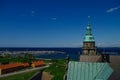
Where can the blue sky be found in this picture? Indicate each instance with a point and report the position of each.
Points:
(58, 23)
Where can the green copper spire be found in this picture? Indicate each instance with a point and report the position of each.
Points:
(88, 20)
(88, 27)
(88, 36)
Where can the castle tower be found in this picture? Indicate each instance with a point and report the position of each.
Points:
(89, 47)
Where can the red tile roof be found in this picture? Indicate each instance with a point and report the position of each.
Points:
(26, 65)
(15, 65)
(11, 65)
(38, 63)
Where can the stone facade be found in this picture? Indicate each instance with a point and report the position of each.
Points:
(89, 48)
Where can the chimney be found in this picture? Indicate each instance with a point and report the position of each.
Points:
(105, 58)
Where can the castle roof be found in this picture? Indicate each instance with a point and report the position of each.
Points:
(88, 71)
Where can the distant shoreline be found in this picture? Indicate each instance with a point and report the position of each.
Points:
(32, 52)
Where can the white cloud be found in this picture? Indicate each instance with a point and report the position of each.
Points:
(32, 12)
(53, 18)
(113, 9)
(108, 44)
(75, 44)
(100, 44)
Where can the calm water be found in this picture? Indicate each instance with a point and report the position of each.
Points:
(72, 52)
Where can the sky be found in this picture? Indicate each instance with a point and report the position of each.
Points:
(58, 23)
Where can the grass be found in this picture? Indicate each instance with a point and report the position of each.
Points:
(57, 69)
(22, 76)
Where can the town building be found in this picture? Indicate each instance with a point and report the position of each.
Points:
(37, 64)
(7, 68)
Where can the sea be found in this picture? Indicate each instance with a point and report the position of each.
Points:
(73, 53)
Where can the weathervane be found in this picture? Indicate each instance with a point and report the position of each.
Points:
(88, 20)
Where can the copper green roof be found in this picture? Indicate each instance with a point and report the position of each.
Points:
(88, 71)
(88, 37)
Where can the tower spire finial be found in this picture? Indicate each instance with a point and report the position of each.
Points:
(88, 20)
